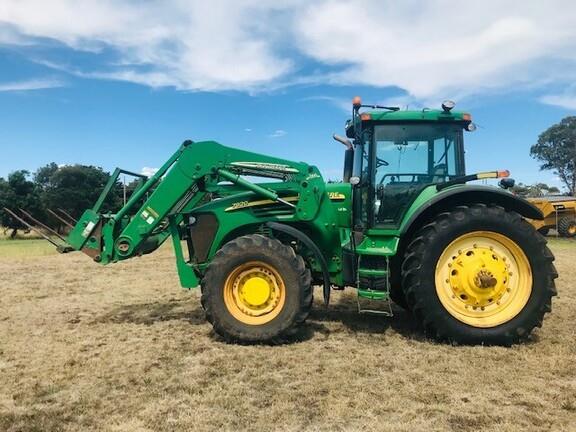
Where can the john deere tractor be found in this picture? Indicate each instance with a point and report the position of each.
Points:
(403, 225)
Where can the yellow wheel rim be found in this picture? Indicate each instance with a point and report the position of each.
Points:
(254, 293)
(572, 230)
(483, 279)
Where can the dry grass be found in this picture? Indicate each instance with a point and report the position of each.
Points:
(123, 348)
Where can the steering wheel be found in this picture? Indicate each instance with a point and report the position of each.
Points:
(381, 162)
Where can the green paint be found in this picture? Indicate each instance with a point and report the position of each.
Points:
(421, 115)
(373, 295)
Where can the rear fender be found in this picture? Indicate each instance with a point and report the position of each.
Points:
(465, 195)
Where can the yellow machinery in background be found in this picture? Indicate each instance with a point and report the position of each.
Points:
(559, 214)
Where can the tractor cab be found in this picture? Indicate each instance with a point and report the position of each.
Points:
(396, 154)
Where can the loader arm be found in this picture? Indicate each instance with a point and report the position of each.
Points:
(195, 174)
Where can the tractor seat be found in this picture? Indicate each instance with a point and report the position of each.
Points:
(394, 199)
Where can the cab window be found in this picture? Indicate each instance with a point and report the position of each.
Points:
(405, 160)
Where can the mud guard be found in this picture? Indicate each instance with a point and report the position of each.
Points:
(299, 235)
(464, 195)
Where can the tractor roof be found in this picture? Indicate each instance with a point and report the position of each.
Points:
(420, 115)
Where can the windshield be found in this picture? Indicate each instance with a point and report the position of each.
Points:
(416, 153)
(408, 157)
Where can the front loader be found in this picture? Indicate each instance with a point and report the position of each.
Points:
(403, 225)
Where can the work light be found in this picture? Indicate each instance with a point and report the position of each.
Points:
(447, 105)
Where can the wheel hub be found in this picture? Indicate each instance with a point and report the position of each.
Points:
(254, 293)
(478, 276)
(483, 279)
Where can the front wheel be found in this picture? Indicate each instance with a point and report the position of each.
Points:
(479, 275)
(256, 289)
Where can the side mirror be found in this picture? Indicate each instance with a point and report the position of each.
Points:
(507, 183)
(343, 140)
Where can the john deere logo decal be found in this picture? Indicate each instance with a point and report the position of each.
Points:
(336, 196)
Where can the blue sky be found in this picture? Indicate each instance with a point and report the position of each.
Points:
(123, 83)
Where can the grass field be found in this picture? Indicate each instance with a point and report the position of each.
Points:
(123, 348)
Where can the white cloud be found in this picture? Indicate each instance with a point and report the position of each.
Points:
(33, 84)
(247, 130)
(566, 99)
(432, 50)
(148, 171)
(437, 48)
(278, 133)
(191, 45)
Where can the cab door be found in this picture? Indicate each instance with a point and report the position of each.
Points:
(403, 160)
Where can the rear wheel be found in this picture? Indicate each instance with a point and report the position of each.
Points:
(479, 275)
(567, 226)
(396, 292)
(256, 290)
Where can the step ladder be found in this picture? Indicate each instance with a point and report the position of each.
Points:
(370, 294)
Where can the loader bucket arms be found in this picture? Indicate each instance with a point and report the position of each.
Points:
(192, 176)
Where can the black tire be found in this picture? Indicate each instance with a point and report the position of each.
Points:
(544, 231)
(292, 269)
(567, 226)
(396, 292)
(423, 253)
(398, 297)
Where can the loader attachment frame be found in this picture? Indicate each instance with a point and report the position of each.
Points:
(37, 226)
(195, 175)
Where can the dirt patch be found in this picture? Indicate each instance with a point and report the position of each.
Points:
(124, 348)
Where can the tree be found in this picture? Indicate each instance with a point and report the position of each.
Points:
(556, 149)
(76, 188)
(536, 190)
(547, 190)
(15, 193)
(43, 174)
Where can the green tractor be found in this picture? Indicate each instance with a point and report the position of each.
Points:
(403, 225)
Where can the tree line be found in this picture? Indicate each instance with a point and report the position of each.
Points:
(73, 188)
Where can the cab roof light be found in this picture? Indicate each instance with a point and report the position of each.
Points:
(365, 116)
(447, 105)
